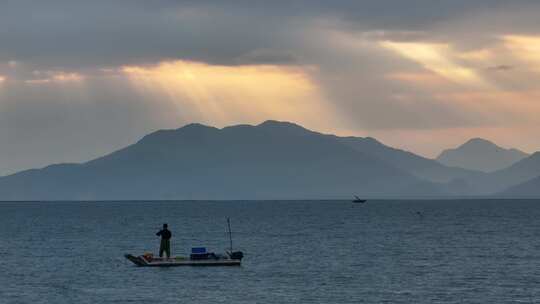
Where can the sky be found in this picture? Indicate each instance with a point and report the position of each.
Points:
(79, 79)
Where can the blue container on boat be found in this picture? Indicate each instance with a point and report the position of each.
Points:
(199, 253)
(198, 250)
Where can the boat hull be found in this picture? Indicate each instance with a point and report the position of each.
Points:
(176, 262)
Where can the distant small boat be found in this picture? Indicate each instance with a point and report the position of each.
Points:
(358, 200)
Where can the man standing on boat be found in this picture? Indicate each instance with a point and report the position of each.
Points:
(165, 244)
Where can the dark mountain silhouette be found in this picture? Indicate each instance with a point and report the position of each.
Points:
(482, 155)
(273, 160)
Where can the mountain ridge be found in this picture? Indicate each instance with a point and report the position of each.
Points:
(481, 155)
(272, 160)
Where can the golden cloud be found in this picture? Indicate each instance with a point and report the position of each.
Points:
(482, 55)
(56, 77)
(525, 48)
(439, 59)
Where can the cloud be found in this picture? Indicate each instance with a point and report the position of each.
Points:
(56, 77)
(502, 67)
(480, 55)
(81, 34)
(524, 48)
(438, 58)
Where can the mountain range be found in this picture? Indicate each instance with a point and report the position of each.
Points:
(482, 155)
(272, 160)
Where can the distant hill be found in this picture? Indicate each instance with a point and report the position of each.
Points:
(421, 167)
(520, 172)
(529, 188)
(482, 155)
(273, 160)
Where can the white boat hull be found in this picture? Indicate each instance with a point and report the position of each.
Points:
(142, 261)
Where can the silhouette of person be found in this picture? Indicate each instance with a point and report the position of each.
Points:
(165, 245)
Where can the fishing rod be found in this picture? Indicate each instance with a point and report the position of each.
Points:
(230, 235)
(234, 255)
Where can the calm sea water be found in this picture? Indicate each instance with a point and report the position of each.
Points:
(469, 251)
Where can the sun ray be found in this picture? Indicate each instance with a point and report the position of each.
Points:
(224, 94)
(437, 58)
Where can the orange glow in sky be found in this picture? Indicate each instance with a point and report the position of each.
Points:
(223, 95)
(526, 48)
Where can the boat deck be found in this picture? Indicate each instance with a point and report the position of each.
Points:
(180, 261)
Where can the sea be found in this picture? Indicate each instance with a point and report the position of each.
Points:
(383, 251)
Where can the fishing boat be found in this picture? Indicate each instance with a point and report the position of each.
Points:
(358, 200)
(199, 257)
(209, 259)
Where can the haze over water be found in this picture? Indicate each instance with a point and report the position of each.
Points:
(457, 251)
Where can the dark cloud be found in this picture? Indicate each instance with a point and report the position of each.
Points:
(100, 32)
(269, 56)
